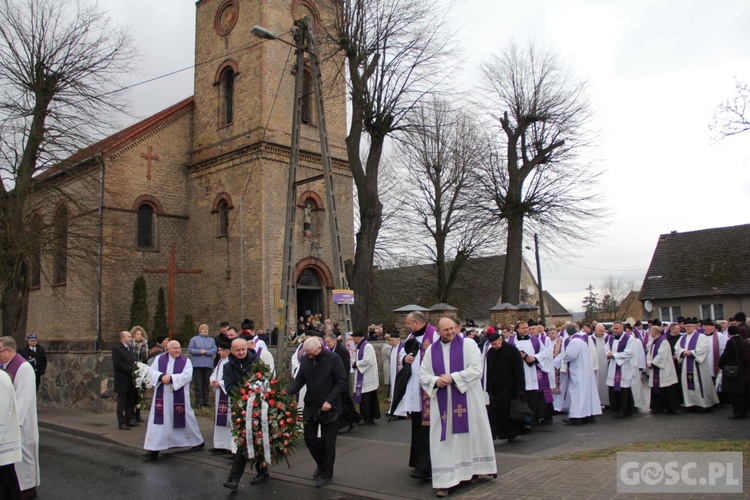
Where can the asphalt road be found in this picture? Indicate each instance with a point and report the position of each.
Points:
(75, 467)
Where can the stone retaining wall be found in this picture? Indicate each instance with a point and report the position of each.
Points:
(84, 379)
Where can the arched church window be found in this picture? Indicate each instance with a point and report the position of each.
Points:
(308, 278)
(61, 245)
(227, 96)
(145, 231)
(223, 218)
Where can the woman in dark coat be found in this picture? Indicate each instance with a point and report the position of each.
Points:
(735, 354)
(505, 382)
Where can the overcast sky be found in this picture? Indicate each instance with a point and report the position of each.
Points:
(656, 69)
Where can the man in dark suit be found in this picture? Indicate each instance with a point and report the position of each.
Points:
(122, 359)
(36, 356)
(323, 374)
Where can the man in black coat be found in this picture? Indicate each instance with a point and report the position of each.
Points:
(236, 370)
(34, 354)
(505, 382)
(323, 373)
(123, 361)
(349, 414)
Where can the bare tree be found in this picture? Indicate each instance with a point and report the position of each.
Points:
(535, 173)
(440, 155)
(396, 53)
(58, 62)
(614, 291)
(732, 117)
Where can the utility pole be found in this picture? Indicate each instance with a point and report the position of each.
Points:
(304, 43)
(539, 280)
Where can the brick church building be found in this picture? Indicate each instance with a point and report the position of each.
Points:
(208, 177)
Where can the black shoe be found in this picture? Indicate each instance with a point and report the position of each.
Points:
(139, 419)
(198, 447)
(123, 427)
(228, 456)
(737, 416)
(323, 481)
(572, 421)
(352, 426)
(152, 455)
(232, 483)
(261, 477)
(620, 415)
(423, 477)
(316, 474)
(132, 424)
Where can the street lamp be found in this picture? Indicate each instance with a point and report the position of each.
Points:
(539, 278)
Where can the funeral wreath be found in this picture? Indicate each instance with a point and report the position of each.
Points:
(265, 421)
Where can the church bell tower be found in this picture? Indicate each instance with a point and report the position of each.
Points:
(237, 177)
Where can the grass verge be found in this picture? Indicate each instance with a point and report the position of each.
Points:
(665, 446)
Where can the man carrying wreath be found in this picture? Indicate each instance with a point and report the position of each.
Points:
(236, 370)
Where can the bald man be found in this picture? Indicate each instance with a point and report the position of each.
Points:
(322, 372)
(171, 420)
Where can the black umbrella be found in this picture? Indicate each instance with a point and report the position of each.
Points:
(402, 377)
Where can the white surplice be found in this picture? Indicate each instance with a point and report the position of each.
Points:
(222, 433)
(27, 469)
(626, 360)
(704, 392)
(267, 358)
(601, 373)
(295, 368)
(716, 344)
(164, 436)
(581, 388)
(368, 367)
(543, 363)
(10, 430)
(661, 359)
(395, 363)
(460, 456)
(412, 400)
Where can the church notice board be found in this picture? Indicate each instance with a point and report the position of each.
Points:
(341, 297)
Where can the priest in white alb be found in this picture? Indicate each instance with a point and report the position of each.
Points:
(692, 351)
(581, 388)
(24, 383)
(222, 410)
(171, 420)
(599, 340)
(460, 437)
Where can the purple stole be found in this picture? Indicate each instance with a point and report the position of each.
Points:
(656, 389)
(460, 402)
(620, 348)
(690, 361)
(260, 349)
(13, 365)
(542, 379)
(222, 409)
(360, 376)
(179, 395)
(429, 334)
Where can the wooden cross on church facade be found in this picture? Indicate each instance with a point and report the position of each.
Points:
(171, 271)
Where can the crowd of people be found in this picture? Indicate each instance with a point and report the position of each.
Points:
(461, 386)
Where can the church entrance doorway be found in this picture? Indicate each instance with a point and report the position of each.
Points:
(309, 293)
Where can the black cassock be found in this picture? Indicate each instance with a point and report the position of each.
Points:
(505, 379)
